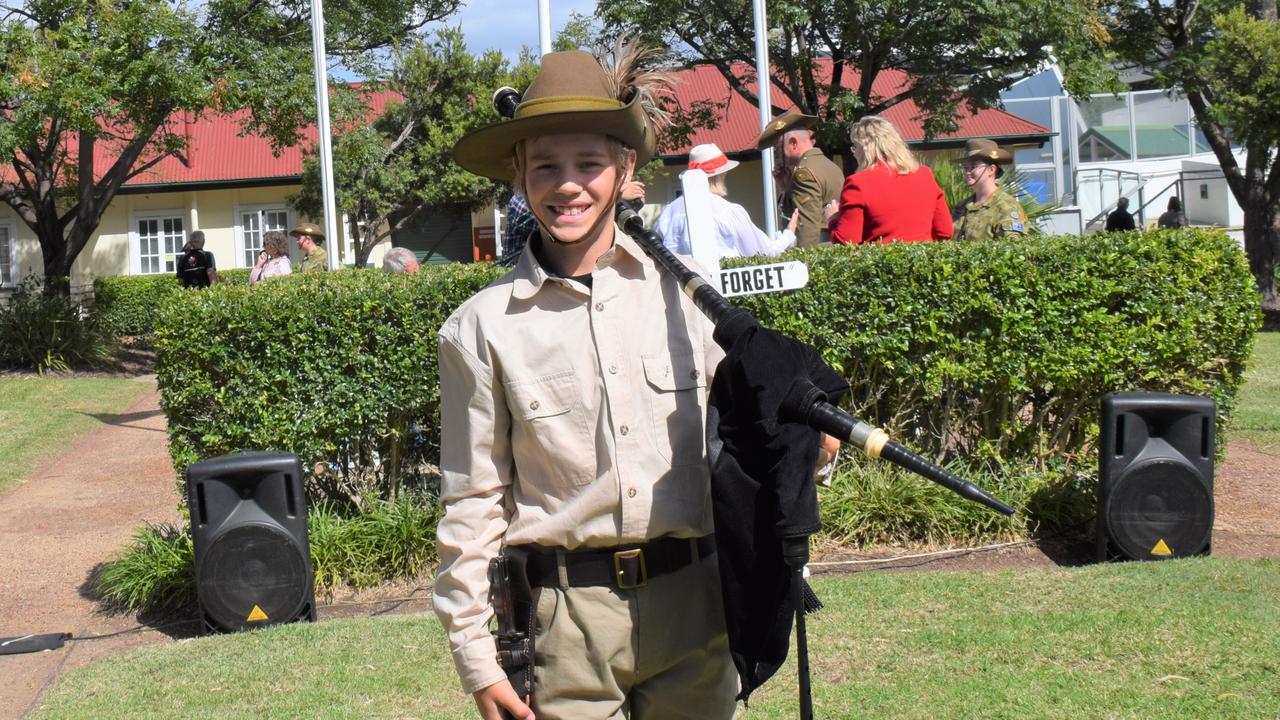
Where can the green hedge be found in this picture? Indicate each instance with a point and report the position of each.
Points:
(335, 367)
(129, 304)
(988, 356)
(1004, 349)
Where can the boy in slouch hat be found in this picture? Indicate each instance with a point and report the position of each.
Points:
(573, 406)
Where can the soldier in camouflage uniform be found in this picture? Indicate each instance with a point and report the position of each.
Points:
(811, 183)
(991, 212)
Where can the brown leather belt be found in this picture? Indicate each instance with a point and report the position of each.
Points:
(624, 566)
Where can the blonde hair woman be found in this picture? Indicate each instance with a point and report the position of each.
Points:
(892, 197)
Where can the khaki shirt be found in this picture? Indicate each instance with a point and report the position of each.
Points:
(815, 182)
(317, 261)
(571, 417)
(1000, 216)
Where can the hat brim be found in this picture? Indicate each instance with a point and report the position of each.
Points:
(489, 151)
(1002, 156)
(771, 133)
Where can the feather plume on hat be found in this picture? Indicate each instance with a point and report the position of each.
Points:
(635, 71)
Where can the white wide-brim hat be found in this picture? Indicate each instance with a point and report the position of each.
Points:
(711, 160)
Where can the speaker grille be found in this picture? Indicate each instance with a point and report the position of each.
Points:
(1160, 508)
(253, 566)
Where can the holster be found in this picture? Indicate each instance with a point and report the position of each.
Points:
(514, 605)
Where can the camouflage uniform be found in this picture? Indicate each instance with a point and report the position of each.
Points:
(317, 261)
(815, 182)
(1000, 216)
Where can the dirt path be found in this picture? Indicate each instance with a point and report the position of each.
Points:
(78, 509)
(55, 528)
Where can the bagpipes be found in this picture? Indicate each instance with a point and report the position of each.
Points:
(769, 397)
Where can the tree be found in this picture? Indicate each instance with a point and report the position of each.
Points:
(1225, 58)
(387, 170)
(952, 52)
(115, 76)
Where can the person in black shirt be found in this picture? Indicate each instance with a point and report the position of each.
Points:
(1120, 219)
(196, 266)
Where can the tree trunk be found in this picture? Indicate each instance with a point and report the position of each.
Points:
(1262, 244)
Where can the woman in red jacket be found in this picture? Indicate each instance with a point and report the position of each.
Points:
(892, 197)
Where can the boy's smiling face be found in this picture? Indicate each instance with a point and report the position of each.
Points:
(571, 183)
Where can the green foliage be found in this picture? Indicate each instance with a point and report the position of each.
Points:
(45, 331)
(82, 79)
(992, 354)
(129, 304)
(335, 367)
(1000, 351)
(385, 540)
(359, 548)
(402, 162)
(986, 46)
(1225, 58)
(155, 571)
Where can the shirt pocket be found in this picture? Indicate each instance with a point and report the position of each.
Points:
(549, 436)
(676, 384)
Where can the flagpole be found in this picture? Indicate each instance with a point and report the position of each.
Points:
(763, 86)
(325, 138)
(544, 26)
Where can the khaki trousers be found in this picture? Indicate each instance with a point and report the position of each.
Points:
(659, 652)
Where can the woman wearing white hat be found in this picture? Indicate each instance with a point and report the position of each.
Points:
(736, 235)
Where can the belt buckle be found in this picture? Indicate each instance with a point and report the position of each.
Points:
(620, 573)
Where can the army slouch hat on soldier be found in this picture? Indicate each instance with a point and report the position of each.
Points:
(571, 94)
(988, 150)
(786, 122)
(307, 229)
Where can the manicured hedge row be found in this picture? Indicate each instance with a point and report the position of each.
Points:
(996, 352)
(1005, 348)
(129, 304)
(335, 367)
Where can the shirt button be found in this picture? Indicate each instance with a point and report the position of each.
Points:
(613, 369)
(534, 405)
(631, 492)
(599, 307)
(624, 429)
(693, 374)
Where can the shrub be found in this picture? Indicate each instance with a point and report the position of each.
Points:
(338, 368)
(1003, 349)
(155, 571)
(129, 304)
(358, 548)
(48, 331)
(992, 356)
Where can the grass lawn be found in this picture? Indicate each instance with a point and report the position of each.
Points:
(1257, 417)
(1197, 638)
(40, 415)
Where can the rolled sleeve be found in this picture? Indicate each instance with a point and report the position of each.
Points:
(476, 474)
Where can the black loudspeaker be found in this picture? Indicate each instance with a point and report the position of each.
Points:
(249, 531)
(1155, 492)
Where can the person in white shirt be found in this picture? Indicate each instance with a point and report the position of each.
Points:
(736, 235)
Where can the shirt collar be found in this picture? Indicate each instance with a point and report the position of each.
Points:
(530, 275)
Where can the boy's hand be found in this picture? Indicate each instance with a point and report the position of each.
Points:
(828, 446)
(499, 702)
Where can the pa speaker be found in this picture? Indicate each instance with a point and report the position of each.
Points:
(1155, 493)
(249, 532)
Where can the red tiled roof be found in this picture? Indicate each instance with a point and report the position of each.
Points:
(217, 153)
(740, 121)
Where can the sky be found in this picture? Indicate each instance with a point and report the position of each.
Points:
(506, 25)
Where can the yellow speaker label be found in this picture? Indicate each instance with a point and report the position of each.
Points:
(256, 615)
(1161, 548)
